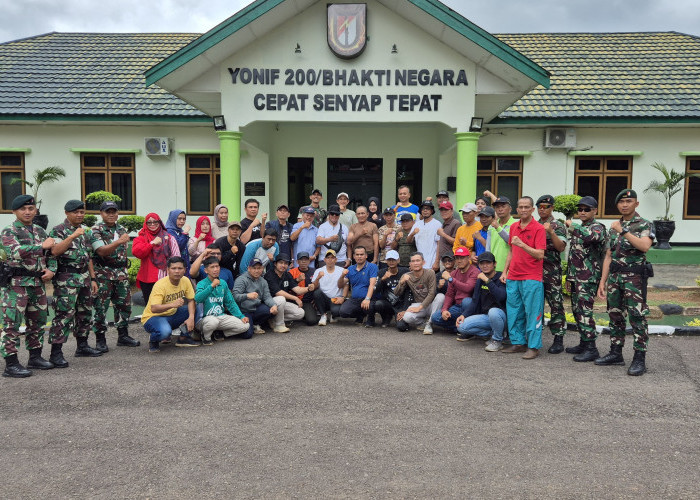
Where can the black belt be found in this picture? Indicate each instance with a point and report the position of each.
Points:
(641, 269)
(115, 265)
(25, 272)
(72, 269)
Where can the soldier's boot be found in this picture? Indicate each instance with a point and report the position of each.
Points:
(614, 357)
(590, 353)
(638, 365)
(125, 339)
(84, 350)
(57, 356)
(101, 343)
(577, 349)
(37, 362)
(557, 345)
(14, 369)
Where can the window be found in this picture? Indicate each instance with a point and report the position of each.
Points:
(203, 183)
(11, 167)
(603, 178)
(113, 172)
(692, 189)
(502, 176)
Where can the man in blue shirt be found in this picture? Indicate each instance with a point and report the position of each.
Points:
(361, 277)
(304, 236)
(264, 249)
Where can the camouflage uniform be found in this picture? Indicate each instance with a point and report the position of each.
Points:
(551, 278)
(586, 253)
(112, 279)
(626, 285)
(71, 285)
(25, 295)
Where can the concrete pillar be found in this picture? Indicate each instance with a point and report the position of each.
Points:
(230, 155)
(467, 155)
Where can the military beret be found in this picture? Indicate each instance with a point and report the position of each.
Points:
(588, 201)
(625, 193)
(72, 205)
(545, 198)
(22, 200)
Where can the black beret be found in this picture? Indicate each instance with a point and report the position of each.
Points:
(545, 198)
(21, 200)
(73, 205)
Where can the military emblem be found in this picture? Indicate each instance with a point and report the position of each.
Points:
(347, 29)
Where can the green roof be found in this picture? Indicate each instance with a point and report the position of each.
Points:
(610, 77)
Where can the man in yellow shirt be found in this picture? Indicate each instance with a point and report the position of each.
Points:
(170, 306)
(465, 234)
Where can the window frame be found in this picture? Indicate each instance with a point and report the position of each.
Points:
(214, 172)
(494, 173)
(107, 171)
(12, 169)
(686, 190)
(602, 174)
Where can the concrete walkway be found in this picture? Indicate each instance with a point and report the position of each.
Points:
(670, 274)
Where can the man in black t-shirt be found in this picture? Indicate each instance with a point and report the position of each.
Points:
(387, 304)
(284, 290)
(283, 228)
(250, 224)
(232, 248)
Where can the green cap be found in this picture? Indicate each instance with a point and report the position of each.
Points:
(625, 193)
(73, 205)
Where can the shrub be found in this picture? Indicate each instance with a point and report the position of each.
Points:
(697, 280)
(98, 197)
(133, 269)
(693, 322)
(90, 220)
(132, 223)
(566, 204)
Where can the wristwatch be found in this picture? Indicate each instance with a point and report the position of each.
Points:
(450, 280)
(624, 232)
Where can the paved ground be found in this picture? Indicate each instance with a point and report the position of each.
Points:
(344, 412)
(671, 274)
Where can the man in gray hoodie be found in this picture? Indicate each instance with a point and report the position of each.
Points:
(252, 293)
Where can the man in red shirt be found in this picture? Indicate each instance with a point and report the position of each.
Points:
(522, 275)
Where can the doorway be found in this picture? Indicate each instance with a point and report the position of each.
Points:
(409, 172)
(360, 178)
(300, 182)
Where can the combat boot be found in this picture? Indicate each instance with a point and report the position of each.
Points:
(577, 349)
(37, 362)
(101, 342)
(557, 345)
(590, 353)
(84, 350)
(614, 357)
(14, 369)
(57, 356)
(125, 339)
(638, 365)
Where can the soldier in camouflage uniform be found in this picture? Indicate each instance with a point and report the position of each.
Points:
(586, 252)
(624, 282)
(111, 265)
(29, 265)
(74, 283)
(551, 273)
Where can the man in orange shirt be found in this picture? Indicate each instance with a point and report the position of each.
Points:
(465, 234)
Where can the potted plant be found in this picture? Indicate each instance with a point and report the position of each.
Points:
(670, 186)
(41, 177)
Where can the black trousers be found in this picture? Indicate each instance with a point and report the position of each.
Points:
(324, 304)
(384, 308)
(310, 314)
(352, 308)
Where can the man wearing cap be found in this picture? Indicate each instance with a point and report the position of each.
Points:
(500, 236)
(347, 216)
(464, 237)
(320, 213)
(75, 283)
(284, 290)
(250, 224)
(404, 242)
(448, 231)
(332, 235)
(460, 287)
(404, 205)
(426, 236)
(232, 249)
(111, 264)
(252, 294)
(421, 281)
(551, 274)
(523, 277)
(303, 275)
(624, 282)
(365, 234)
(388, 304)
(485, 315)
(304, 236)
(264, 249)
(387, 234)
(327, 296)
(29, 265)
(482, 238)
(587, 242)
(284, 229)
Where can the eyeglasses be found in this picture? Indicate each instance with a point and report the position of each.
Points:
(542, 205)
(584, 209)
(152, 223)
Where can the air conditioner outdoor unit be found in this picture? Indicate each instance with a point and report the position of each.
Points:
(157, 146)
(560, 138)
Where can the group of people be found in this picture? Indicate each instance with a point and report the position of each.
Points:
(408, 265)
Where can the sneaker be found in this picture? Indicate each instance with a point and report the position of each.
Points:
(428, 329)
(369, 325)
(281, 329)
(207, 342)
(257, 330)
(323, 320)
(154, 347)
(218, 336)
(333, 319)
(166, 341)
(464, 337)
(186, 342)
(494, 346)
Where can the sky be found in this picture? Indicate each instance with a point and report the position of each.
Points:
(25, 18)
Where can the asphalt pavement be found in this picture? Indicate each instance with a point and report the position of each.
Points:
(346, 412)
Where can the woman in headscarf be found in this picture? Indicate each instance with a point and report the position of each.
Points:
(178, 228)
(154, 246)
(202, 238)
(220, 226)
(375, 214)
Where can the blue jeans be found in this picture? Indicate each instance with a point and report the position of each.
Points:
(483, 325)
(525, 306)
(257, 317)
(455, 310)
(161, 327)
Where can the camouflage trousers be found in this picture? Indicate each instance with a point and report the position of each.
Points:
(73, 306)
(555, 298)
(118, 292)
(625, 299)
(583, 294)
(27, 301)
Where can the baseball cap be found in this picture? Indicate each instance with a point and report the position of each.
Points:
(108, 205)
(469, 207)
(486, 257)
(309, 210)
(429, 204)
(283, 206)
(445, 205)
(447, 255)
(329, 252)
(302, 255)
(501, 199)
(462, 252)
(284, 257)
(235, 223)
(405, 217)
(316, 190)
(255, 262)
(626, 193)
(392, 254)
(342, 193)
(442, 193)
(334, 209)
(588, 201)
(488, 212)
(547, 199)
(388, 210)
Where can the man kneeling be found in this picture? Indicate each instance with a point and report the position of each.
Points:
(170, 306)
(216, 298)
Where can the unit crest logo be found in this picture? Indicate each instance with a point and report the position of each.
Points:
(347, 29)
